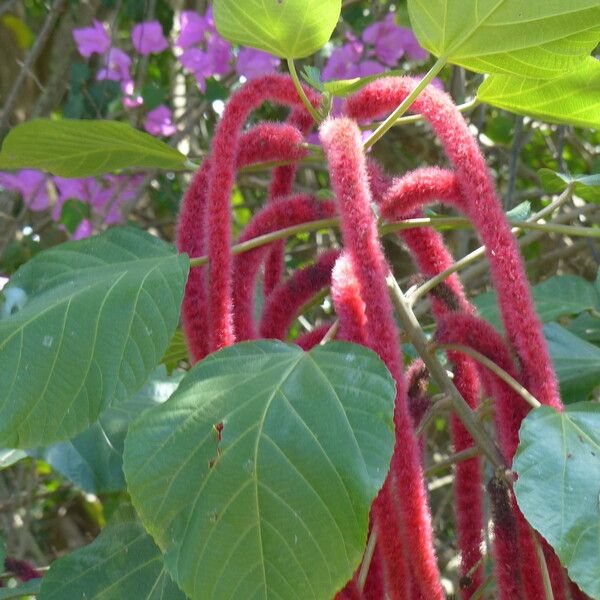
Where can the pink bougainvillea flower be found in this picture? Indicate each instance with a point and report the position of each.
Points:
(159, 122)
(117, 65)
(31, 185)
(391, 42)
(254, 63)
(193, 29)
(148, 37)
(219, 51)
(91, 40)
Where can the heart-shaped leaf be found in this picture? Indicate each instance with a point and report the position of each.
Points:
(96, 317)
(287, 28)
(558, 489)
(584, 186)
(577, 363)
(530, 39)
(572, 98)
(84, 148)
(256, 477)
(94, 459)
(122, 563)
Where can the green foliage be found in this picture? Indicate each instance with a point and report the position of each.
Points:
(25, 590)
(94, 318)
(558, 467)
(556, 297)
(176, 352)
(571, 98)
(584, 186)
(93, 460)
(576, 361)
(529, 39)
(122, 563)
(72, 148)
(259, 472)
(290, 29)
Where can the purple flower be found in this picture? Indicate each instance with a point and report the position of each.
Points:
(31, 185)
(392, 42)
(342, 64)
(91, 39)
(158, 122)
(219, 51)
(199, 64)
(130, 100)
(193, 29)
(148, 37)
(370, 67)
(84, 229)
(117, 65)
(254, 63)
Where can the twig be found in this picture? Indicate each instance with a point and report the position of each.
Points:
(492, 366)
(413, 329)
(367, 558)
(452, 460)
(35, 51)
(548, 593)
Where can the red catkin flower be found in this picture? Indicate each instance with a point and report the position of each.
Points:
(225, 147)
(484, 209)
(281, 187)
(246, 266)
(432, 257)
(267, 141)
(288, 298)
(312, 338)
(21, 568)
(343, 149)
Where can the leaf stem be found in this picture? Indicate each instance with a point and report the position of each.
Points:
(309, 107)
(463, 411)
(367, 558)
(492, 366)
(548, 593)
(405, 104)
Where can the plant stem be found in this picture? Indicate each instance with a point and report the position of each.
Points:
(413, 329)
(452, 460)
(367, 558)
(405, 104)
(474, 256)
(417, 118)
(331, 333)
(309, 107)
(492, 366)
(548, 593)
(387, 228)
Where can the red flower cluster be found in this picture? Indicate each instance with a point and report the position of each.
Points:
(219, 310)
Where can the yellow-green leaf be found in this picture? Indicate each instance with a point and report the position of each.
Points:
(533, 39)
(287, 28)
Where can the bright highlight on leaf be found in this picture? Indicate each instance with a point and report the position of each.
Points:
(532, 39)
(286, 28)
(84, 148)
(558, 486)
(573, 99)
(256, 477)
(97, 317)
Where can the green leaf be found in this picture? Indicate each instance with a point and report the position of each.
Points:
(176, 352)
(259, 472)
(95, 318)
(558, 464)
(587, 327)
(286, 28)
(531, 39)
(94, 459)
(584, 186)
(9, 457)
(573, 98)
(576, 362)
(122, 563)
(25, 590)
(74, 148)
(556, 297)
(2, 551)
(521, 212)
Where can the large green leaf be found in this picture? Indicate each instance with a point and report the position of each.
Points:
(577, 363)
(556, 297)
(176, 352)
(584, 186)
(587, 327)
(558, 464)
(256, 476)
(573, 98)
(83, 148)
(531, 39)
(122, 563)
(96, 318)
(287, 28)
(94, 459)
(25, 590)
